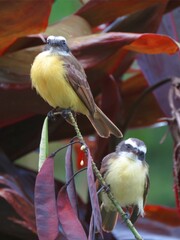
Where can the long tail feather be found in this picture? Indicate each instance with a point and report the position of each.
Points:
(103, 125)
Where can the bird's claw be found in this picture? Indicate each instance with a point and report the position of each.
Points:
(125, 216)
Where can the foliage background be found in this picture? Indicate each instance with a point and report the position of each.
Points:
(165, 221)
(159, 156)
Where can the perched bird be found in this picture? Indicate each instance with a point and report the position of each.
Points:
(61, 81)
(126, 173)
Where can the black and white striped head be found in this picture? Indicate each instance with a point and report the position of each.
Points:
(57, 44)
(132, 148)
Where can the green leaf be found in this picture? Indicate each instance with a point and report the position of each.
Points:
(43, 147)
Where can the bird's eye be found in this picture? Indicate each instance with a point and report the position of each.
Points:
(128, 146)
(63, 42)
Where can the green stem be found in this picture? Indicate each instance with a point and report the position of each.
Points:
(79, 135)
(104, 184)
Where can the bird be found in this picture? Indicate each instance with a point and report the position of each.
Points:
(60, 80)
(126, 173)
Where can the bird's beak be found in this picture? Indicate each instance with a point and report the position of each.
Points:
(135, 151)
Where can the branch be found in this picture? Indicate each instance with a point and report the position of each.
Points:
(136, 104)
(103, 183)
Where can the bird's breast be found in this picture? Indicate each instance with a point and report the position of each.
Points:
(50, 79)
(126, 178)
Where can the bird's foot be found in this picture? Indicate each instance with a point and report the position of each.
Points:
(65, 115)
(105, 188)
(53, 114)
(125, 216)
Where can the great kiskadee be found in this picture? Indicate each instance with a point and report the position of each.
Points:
(126, 173)
(61, 81)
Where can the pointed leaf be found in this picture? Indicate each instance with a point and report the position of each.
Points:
(69, 221)
(45, 202)
(43, 148)
(93, 49)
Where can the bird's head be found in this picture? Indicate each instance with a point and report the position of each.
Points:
(132, 148)
(58, 43)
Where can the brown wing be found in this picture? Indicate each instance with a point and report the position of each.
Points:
(146, 188)
(104, 165)
(77, 78)
(135, 213)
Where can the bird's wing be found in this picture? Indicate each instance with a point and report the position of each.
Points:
(105, 162)
(135, 212)
(77, 78)
(104, 165)
(146, 188)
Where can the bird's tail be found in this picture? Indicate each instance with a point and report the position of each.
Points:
(109, 219)
(103, 125)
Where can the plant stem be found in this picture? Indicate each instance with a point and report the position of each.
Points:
(104, 184)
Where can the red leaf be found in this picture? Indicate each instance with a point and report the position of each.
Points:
(93, 196)
(144, 114)
(22, 206)
(45, 202)
(95, 48)
(69, 221)
(166, 215)
(22, 18)
(98, 12)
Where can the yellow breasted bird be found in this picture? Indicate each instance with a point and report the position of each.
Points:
(61, 81)
(126, 173)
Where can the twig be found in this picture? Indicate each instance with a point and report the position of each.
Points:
(104, 184)
(135, 105)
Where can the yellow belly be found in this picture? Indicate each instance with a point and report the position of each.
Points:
(49, 78)
(126, 178)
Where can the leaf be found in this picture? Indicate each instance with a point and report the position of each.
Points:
(93, 49)
(143, 114)
(91, 228)
(22, 206)
(21, 23)
(69, 221)
(158, 67)
(71, 190)
(45, 202)
(98, 12)
(163, 214)
(70, 27)
(43, 147)
(93, 196)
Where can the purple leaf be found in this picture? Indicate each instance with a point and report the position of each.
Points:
(45, 202)
(69, 173)
(91, 228)
(161, 66)
(69, 221)
(93, 196)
